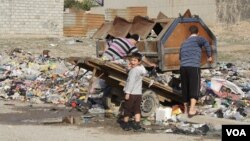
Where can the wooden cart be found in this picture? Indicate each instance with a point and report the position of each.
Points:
(115, 76)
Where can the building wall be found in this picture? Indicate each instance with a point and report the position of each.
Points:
(31, 17)
(206, 9)
(233, 11)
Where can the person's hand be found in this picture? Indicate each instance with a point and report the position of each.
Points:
(129, 66)
(210, 59)
(153, 65)
(126, 96)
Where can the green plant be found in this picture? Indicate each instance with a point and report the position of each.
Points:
(69, 3)
(86, 5)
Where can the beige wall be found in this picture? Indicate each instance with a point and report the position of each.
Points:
(206, 9)
(31, 17)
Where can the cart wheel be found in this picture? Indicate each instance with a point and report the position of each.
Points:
(107, 97)
(107, 102)
(149, 103)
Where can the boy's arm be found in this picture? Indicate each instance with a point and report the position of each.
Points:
(145, 60)
(144, 71)
(208, 50)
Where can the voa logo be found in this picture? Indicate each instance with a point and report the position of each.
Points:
(236, 132)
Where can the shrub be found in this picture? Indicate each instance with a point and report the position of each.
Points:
(84, 5)
(69, 3)
(87, 4)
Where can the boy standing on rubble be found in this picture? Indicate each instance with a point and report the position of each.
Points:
(133, 92)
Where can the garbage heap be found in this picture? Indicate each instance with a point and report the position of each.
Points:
(225, 93)
(225, 90)
(39, 78)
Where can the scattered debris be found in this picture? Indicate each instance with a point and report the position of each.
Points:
(44, 79)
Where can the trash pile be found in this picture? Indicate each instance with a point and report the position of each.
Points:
(43, 79)
(225, 90)
(225, 93)
(169, 120)
(40, 79)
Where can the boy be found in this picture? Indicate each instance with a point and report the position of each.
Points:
(133, 92)
(190, 58)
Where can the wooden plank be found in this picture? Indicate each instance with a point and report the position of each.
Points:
(119, 74)
(73, 28)
(102, 31)
(75, 32)
(142, 26)
(90, 85)
(171, 50)
(120, 27)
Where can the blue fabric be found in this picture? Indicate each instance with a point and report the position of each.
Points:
(190, 51)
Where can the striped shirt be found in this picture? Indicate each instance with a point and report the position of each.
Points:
(119, 48)
(190, 51)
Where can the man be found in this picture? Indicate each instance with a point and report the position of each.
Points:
(122, 47)
(190, 58)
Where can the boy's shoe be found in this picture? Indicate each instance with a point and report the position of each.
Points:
(126, 127)
(138, 128)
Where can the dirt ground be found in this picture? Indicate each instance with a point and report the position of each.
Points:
(232, 44)
(23, 121)
(59, 47)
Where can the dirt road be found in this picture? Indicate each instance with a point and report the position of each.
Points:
(71, 133)
(18, 127)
